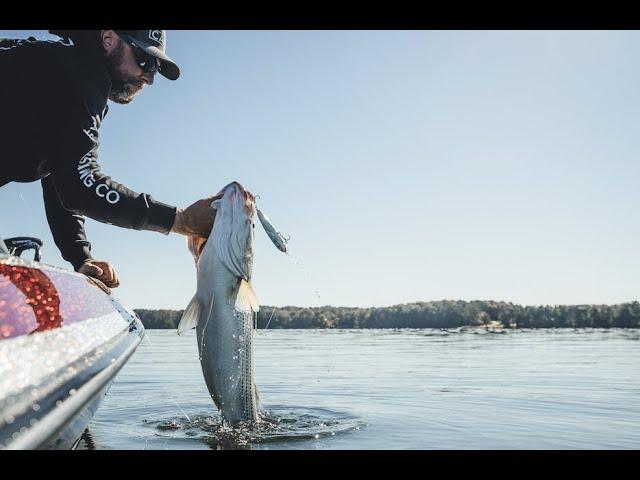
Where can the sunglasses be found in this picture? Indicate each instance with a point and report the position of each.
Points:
(147, 62)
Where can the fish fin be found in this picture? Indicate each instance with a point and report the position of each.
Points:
(246, 300)
(190, 316)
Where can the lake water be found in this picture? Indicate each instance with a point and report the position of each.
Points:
(389, 389)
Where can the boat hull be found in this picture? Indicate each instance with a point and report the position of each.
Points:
(63, 339)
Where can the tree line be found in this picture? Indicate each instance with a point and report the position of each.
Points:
(436, 314)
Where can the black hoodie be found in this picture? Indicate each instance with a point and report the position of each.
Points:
(53, 98)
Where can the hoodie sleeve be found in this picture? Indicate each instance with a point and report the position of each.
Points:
(84, 189)
(66, 227)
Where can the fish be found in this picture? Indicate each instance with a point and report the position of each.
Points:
(224, 308)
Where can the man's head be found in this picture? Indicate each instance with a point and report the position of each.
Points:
(133, 58)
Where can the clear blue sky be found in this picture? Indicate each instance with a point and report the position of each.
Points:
(405, 165)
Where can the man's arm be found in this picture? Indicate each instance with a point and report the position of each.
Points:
(66, 227)
(69, 236)
(84, 190)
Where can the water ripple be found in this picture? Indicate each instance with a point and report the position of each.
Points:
(278, 423)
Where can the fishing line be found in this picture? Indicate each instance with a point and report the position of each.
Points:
(280, 241)
(204, 329)
(166, 391)
(304, 270)
(274, 311)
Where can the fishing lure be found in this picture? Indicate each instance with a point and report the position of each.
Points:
(276, 237)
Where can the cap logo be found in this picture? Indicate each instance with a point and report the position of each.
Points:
(156, 36)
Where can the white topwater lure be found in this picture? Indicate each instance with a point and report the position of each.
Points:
(276, 237)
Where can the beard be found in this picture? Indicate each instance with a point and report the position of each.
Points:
(124, 87)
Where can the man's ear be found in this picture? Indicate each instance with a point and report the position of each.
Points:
(109, 39)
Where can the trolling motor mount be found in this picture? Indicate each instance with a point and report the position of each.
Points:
(17, 245)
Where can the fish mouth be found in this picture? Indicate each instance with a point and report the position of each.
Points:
(235, 188)
(229, 193)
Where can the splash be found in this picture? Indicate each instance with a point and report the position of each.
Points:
(277, 424)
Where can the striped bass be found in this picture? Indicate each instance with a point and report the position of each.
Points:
(224, 307)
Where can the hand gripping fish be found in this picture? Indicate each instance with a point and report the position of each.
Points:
(224, 308)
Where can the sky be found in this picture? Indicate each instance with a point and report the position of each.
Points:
(405, 165)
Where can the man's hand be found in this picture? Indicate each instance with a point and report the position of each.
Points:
(197, 219)
(103, 271)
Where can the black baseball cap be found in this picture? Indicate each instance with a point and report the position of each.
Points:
(154, 42)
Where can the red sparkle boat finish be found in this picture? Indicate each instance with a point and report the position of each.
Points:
(63, 338)
(35, 299)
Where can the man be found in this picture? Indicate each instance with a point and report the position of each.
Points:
(53, 98)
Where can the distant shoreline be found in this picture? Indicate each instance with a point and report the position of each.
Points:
(436, 314)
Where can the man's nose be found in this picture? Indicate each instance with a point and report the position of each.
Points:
(148, 78)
